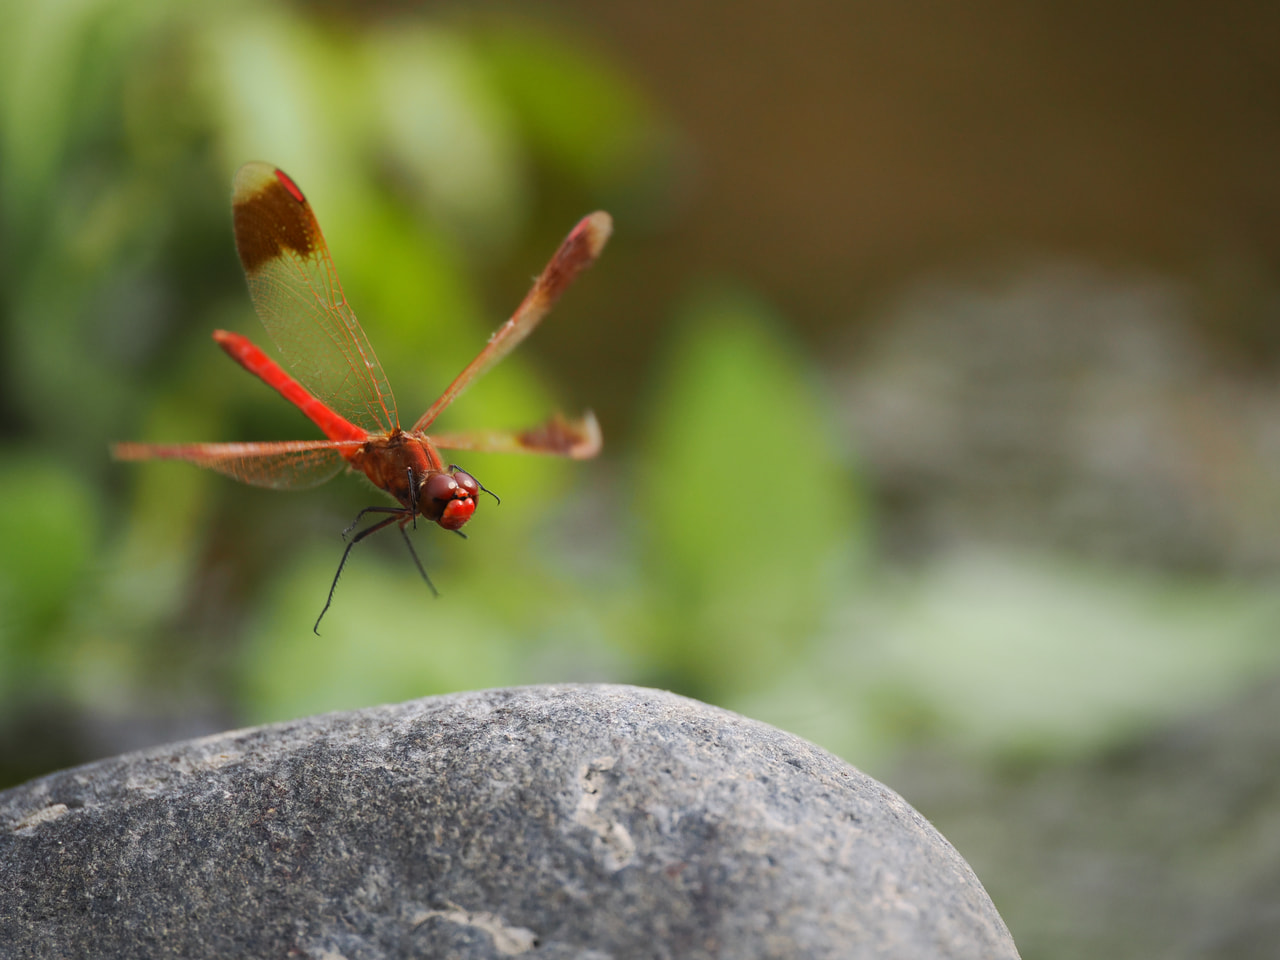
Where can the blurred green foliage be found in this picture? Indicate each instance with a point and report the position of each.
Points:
(726, 554)
(746, 515)
(422, 143)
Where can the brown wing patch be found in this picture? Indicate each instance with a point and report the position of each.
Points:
(269, 217)
(558, 437)
(299, 299)
(579, 250)
(579, 439)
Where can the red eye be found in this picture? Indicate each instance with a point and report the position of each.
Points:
(440, 486)
(467, 482)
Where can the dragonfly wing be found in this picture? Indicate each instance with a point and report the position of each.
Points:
(289, 465)
(578, 251)
(299, 299)
(579, 439)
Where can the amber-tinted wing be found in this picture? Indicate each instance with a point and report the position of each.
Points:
(578, 251)
(295, 289)
(579, 439)
(289, 465)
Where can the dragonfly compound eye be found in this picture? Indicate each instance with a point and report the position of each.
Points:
(467, 482)
(440, 486)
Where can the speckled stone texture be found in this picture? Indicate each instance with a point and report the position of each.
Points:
(572, 821)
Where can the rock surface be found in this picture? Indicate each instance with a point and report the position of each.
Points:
(587, 822)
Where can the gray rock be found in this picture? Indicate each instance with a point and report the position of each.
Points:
(570, 821)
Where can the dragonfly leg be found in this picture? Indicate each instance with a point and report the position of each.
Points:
(347, 552)
(359, 516)
(418, 563)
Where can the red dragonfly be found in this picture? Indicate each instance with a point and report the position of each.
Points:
(339, 384)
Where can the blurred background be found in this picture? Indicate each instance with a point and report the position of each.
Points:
(937, 354)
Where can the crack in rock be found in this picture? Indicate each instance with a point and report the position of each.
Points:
(508, 941)
(612, 845)
(43, 815)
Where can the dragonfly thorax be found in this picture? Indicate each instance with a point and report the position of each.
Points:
(448, 498)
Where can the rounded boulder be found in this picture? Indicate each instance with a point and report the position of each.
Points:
(566, 821)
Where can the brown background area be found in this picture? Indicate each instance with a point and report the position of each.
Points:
(837, 149)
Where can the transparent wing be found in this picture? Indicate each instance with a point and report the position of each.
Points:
(299, 299)
(578, 251)
(288, 465)
(579, 439)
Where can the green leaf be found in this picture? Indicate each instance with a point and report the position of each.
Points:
(47, 533)
(745, 509)
(577, 113)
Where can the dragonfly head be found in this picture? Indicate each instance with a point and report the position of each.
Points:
(449, 498)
